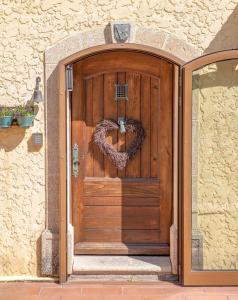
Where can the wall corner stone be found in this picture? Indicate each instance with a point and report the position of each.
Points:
(49, 253)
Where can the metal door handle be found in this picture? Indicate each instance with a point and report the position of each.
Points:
(75, 160)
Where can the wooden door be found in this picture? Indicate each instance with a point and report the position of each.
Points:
(127, 211)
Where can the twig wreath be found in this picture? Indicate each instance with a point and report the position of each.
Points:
(119, 158)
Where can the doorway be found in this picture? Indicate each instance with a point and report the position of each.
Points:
(122, 211)
(145, 66)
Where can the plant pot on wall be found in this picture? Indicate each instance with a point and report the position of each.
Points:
(6, 121)
(25, 121)
(24, 116)
(6, 117)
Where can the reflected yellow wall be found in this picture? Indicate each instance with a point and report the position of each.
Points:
(215, 162)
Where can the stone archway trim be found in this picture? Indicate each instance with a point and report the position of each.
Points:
(157, 39)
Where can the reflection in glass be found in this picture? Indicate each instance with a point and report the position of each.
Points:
(215, 167)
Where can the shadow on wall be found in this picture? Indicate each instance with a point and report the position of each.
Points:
(39, 256)
(10, 138)
(32, 147)
(49, 243)
(52, 154)
(227, 37)
(213, 78)
(107, 34)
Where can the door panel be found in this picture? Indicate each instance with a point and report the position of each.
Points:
(210, 143)
(99, 106)
(132, 208)
(127, 188)
(129, 236)
(110, 218)
(121, 200)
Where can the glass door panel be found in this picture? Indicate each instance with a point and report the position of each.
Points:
(210, 173)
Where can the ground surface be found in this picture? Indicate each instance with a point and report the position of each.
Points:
(83, 291)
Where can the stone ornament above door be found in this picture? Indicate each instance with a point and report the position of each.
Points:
(122, 28)
(138, 35)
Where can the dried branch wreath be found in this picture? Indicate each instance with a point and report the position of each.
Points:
(119, 158)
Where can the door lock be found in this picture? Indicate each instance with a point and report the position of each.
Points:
(75, 160)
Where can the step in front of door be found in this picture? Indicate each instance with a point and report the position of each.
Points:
(121, 265)
(154, 278)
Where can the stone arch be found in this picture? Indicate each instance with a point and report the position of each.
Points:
(158, 39)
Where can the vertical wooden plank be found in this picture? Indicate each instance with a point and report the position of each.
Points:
(155, 121)
(186, 182)
(166, 149)
(145, 119)
(98, 162)
(89, 128)
(133, 112)
(78, 137)
(110, 112)
(121, 79)
(174, 245)
(175, 143)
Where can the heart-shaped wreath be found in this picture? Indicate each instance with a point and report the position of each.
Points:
(119, 158)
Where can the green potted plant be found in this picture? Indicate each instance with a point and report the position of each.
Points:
(24, 116)
(6, 117)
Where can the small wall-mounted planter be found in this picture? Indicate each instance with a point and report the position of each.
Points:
(22, 116)
(6, 121)
(25, 121)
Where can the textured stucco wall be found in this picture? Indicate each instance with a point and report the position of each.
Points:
(215, 164)
(27, 29)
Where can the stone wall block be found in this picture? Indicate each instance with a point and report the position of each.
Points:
(49, 253)
(180, 48)
(151, 37)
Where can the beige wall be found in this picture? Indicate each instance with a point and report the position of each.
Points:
(27, 29)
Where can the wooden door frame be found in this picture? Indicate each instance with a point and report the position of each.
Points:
(63, 132)
(196, 277)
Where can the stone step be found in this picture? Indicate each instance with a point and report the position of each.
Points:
(161, 278)
(121, 265)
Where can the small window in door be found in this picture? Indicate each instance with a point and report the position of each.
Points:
(121, 91)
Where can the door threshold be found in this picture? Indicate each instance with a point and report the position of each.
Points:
(150, 279)
(121, 265)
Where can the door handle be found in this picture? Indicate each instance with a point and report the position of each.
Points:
(75, 160)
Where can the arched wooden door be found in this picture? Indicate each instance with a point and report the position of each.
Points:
(125, 211)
